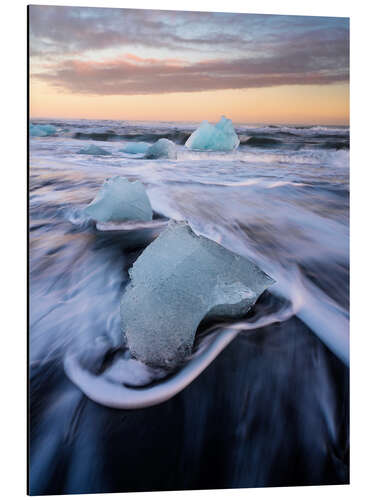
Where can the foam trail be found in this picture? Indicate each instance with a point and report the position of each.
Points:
(107, 393)
(103, 391)
(317, 310)
(327, 320)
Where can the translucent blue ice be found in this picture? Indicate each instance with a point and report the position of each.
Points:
(41, 130)
(178, 280)
(120, 200)
(163, 148)
(93, 150)
(218, 137)
(135, 147)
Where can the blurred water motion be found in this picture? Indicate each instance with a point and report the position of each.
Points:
(272, 409)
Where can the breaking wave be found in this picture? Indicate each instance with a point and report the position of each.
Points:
(271, 136)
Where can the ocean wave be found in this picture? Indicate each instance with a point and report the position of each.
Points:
(259, 141)
(308, 131)
(269, 136)
(178, 137)
(335, 145)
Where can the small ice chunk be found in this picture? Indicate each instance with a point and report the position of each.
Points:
(93, 149)
(218, 137)
(135, 147)
(41, 130)
(163, 148)
(120, 200)
(178, 280)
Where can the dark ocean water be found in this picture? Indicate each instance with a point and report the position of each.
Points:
(272, 408)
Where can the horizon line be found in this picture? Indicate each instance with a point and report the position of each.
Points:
(268, 123)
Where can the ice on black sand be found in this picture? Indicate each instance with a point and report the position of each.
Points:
(41, 130)
(135, 147)
(120, 200)
(94, 150)
(218, 137)
(178, 280)
(163, 148)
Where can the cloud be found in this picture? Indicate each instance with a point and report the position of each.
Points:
(237, 51)
(133, 75)
(72, 29)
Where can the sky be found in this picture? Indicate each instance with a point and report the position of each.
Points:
(126, 64)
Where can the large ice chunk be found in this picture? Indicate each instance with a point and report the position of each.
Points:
(218, 137)
(178, 280)
(120, 200)
(135, 147)
(163, 148)
(93, 149)
(41, 130)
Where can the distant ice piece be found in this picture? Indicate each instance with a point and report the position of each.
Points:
(163, 148)
(41, 130)
(94, 150)
(135, 147)
(120, 200)
(178, 280)
(218, 137)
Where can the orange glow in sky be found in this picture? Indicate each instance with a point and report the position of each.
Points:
(167, 66)
(298, 104)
